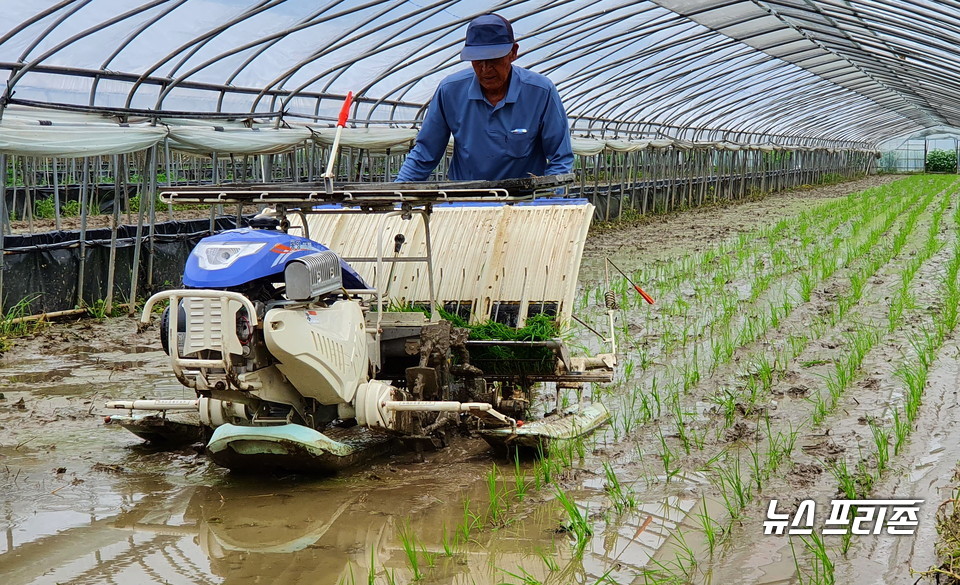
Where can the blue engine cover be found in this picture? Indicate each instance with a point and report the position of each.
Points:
(235, 257)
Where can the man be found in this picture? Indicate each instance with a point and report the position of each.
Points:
(507, 122)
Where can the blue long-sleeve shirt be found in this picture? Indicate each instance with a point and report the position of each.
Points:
(525, 133)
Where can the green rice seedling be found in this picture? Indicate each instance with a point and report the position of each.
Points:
(920, 342)
(914, 375)
(865, 478)
(372, 570)
(797, 344)
(735, 491)
(577, 523)
(686, 560)
(781, 445)
(818, 327)
(805, 283)
(681, 427)
(753, 393)
(519, 479)
(621, 497)
(348, 579)
(698, 437)
(821, 566)
(429, 557)
(712, 531)
(467, 523)
(645, 411)
(497, 504)
(446, 542)
(764, 371)
(757, 466)
(408, 541)
(881, 440)
(726, 399)
(718, 350)
(901, 430)
(655, 394)
(548, 561)
(667, 457)
(846, 481)
(12, 322)
(895, 312)
(691, 372)
(525, 578)
(857, 283)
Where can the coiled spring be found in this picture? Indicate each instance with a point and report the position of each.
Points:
(611, 300)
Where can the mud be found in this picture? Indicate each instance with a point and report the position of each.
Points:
(88, 503)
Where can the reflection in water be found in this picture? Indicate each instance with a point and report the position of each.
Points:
(332, 532)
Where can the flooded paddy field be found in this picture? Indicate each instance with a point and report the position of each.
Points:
(801, 347)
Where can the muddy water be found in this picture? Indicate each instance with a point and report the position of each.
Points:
(88, 503)
(85, 503)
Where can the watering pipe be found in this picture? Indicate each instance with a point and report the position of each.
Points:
(341, 122)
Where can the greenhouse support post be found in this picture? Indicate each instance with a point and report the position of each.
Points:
(138, 243)
(152, 195)
(169, 181)
(114, 220)
(3, 217)
(56, 195)
(83, 229)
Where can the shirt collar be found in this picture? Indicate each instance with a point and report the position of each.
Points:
(513, 89)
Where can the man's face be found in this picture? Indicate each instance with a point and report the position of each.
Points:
(494, 74)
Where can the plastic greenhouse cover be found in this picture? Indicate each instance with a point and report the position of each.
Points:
(663, 62)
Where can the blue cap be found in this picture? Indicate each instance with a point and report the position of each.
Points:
(488, 37)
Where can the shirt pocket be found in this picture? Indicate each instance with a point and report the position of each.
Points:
(517, 143)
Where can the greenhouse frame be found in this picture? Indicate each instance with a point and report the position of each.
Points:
(671, 104)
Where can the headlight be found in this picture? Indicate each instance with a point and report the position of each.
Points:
(216, 256)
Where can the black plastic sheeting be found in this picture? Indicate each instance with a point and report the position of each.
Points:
(44, 269)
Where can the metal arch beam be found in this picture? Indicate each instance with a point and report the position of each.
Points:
(27, 67)
(264, 4)
(771, 74)
(616, 82)
(126, 43)
(573, 33)
(794, 112)
(783, 109)
(627, 77)
(874, 93)
(680, 64)
(407, 85)
(400, 63)
(874, 64)
(56, 22)
(712, 33)
(880, 61)
(289, 72)
(629, 86)
(343, 66)
(674, 109)
(201, 41)
(721, 91)
(798, 111)
(34, 19)
(723, 111)
(843, 131)
(410, 83)
(269, 39)
(602, 48)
